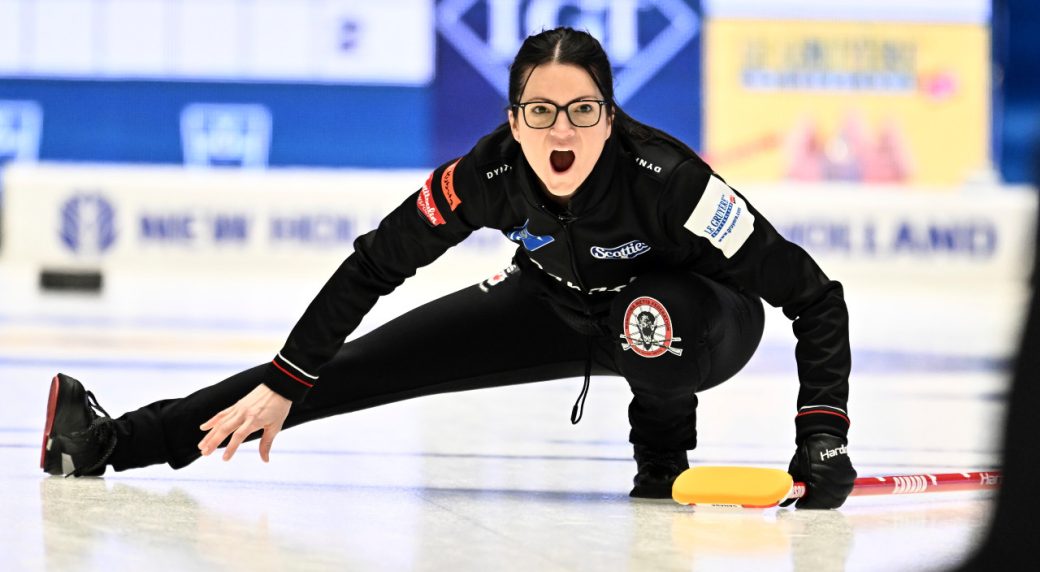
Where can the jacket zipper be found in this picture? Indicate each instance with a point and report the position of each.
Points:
(579, 405)
(565, 223)
(574, 259)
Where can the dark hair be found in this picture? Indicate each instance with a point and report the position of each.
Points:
(563, 46)
(578, 48)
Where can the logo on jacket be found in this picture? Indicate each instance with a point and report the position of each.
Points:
(498, 278)
(648, 329)
(722, 217)
(624, 252)
(531, 242)
(88, 224)
(649, 166)
(426, 205)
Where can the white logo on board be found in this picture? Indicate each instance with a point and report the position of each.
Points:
(226, 135)
(20, 125)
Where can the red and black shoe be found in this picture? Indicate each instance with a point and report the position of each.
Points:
(77, 441)
(656, 471)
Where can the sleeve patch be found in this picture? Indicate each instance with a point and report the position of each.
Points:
(448, 187)
(722, 217)
(427, 207)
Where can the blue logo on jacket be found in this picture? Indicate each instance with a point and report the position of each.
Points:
(531, 242)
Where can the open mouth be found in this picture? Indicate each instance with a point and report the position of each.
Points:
(561, 160)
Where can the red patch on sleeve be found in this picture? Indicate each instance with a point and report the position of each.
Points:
(427, 207)
(448, 187)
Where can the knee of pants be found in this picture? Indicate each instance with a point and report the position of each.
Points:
(660, 324)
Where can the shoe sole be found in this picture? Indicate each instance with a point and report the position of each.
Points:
(52, 405)
(651, 493)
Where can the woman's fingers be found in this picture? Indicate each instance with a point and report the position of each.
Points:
(212, 421)
(239, 436)
(260, 409)
(219, 431)
(267, 440)
(215, 419)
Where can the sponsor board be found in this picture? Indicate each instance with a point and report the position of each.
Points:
(847, 100)
(174, 218)
(342, 83)
(616, 24)
(21, 123)
(653, 45)
(225, 135)
(321, 41)
(87, 223)
(891, 233)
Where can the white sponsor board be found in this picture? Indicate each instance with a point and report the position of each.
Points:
(982, 232)
(170, 219)
(327, 41)
(949, 11)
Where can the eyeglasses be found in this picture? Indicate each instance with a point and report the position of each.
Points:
(542, 114)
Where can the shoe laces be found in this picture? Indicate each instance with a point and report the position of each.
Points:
(101, 430)
(93, 402)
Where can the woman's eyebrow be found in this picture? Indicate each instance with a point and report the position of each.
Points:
(547, 100)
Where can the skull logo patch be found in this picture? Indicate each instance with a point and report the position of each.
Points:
(648, 329)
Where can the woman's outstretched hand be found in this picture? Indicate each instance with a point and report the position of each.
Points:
(262, 408)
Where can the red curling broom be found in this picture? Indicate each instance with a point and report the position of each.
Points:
(752, 487)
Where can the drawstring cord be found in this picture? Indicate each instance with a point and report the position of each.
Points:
(579, 405)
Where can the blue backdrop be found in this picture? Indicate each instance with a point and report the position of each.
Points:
(362, 126)
(654, 44)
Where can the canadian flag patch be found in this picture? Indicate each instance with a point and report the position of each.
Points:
(427, 207)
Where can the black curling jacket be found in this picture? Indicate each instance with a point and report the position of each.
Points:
(649, 204)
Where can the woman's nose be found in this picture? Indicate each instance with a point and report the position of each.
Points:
(563, 126)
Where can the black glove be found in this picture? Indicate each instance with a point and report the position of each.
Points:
(822, 463)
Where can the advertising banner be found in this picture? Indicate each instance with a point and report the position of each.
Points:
(310, 83)
(847, 99)
(172, 219)
(318, 83)
(323, 41)
(898, 234)
(653, 45)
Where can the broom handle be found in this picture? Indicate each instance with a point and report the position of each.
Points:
(923, 483)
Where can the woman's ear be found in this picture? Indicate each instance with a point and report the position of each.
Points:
(513, 126)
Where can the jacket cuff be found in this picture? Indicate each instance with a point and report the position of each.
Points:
(821, 419)
(288, 380)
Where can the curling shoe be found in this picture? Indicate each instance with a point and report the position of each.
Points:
(77, 441)
(656, 471)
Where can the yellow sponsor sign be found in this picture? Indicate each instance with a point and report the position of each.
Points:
(873, 102)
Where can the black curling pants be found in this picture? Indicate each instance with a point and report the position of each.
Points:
(671, 335)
